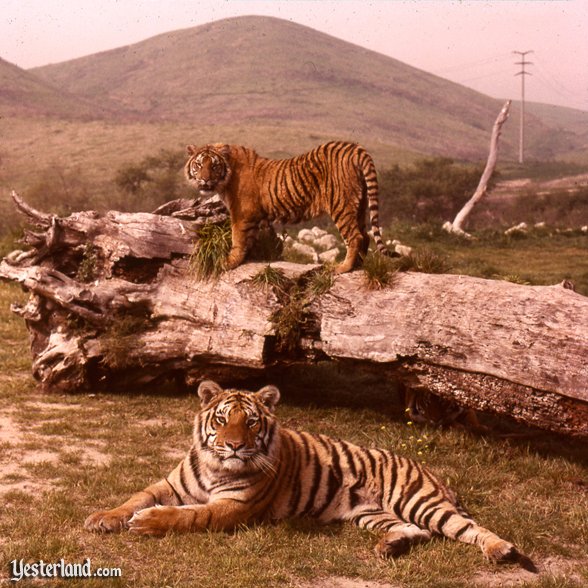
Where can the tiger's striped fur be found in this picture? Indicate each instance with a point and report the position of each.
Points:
(424, 407)
(338, 178)
(244, 467)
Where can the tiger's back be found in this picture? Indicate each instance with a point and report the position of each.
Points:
(244, 467)
(331, 178)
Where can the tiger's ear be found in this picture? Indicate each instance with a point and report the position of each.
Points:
(207, 391)
(270, 396)
(224, 150)
(191, 149)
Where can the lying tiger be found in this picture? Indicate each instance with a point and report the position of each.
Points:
(338, 178)
(243, 467)
(425, 407)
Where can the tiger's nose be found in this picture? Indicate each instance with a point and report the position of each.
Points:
(235, 445)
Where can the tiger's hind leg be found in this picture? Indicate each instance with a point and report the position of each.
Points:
(399, 539)
(356, 241)
(398, 536)
(461, 527)
(353, 255)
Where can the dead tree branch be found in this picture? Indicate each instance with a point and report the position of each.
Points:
(457, 225)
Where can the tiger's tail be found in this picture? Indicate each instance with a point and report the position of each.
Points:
(370, 179)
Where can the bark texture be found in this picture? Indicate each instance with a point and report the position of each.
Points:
(112, 304)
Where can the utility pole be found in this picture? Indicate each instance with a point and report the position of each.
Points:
(523, 62)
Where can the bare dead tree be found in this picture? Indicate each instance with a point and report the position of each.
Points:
(456, 226)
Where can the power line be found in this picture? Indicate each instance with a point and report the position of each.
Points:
(472, 64)
(553, 82)
(523, 63)
(482, 77)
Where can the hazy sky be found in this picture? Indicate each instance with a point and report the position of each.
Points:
(469, 42)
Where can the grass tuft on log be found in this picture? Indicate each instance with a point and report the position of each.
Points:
(210, 252)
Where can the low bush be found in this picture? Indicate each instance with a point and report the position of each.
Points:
(432, 190)
(154, 180)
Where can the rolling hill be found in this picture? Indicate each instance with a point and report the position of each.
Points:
(252, 72)
(23, 94)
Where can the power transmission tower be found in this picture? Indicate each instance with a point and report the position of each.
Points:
(523, 62)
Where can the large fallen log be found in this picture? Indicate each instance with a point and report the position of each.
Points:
(112, 304)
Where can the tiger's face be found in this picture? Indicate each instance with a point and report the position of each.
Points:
(207, 168)
(236, 428)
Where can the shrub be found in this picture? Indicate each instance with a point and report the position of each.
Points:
(61, 191)
(432, 190)
(271, 278)
(152, 181)
(425, 260)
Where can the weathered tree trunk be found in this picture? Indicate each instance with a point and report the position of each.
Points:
(112, 303)
(457, 225)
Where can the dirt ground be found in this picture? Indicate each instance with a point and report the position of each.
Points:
(21, 448)
(509, 188)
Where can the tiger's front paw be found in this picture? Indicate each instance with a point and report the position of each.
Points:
(107, 521)
(234, 259)
(158, 520)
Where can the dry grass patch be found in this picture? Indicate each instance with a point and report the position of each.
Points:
(32, 458)
(554, 571)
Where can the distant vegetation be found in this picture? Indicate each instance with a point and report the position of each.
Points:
(541, 170)
(431, 190)
(152, 181)
(557, 209)
(540, 256)
(428, 191)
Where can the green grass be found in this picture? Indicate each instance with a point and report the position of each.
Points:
(378, 270)
(210, 252)
(94, 450)
(271, 278)
(541, 258)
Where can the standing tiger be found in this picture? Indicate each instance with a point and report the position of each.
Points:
(338, 178)
(243, 467)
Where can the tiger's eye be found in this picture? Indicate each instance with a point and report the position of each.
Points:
(220, 419)
(252, 421)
